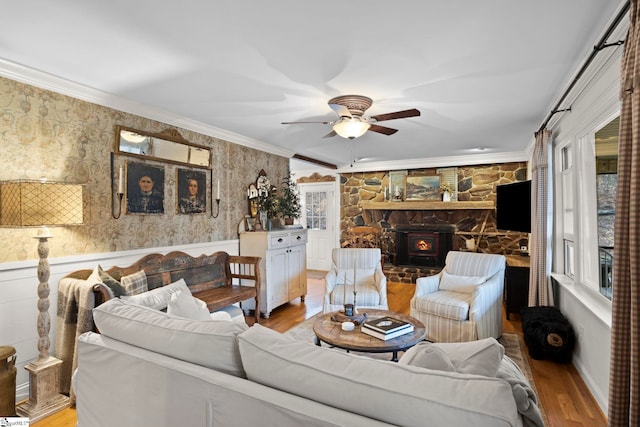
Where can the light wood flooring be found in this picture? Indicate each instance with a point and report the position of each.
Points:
(564, 396)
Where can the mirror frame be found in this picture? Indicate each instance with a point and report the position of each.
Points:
(168, 135)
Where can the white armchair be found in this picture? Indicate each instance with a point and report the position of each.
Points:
(370, 282)
(464, 301)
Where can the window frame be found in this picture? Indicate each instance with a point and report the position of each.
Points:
(583, 273)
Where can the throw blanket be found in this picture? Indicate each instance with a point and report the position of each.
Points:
(525, 397)
(74, 317)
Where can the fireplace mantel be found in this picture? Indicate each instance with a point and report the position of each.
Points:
(425, 206)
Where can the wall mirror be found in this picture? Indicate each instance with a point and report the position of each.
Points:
(167, 146)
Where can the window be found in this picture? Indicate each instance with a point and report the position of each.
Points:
(606, 152)
(568, 171)
(585, 215)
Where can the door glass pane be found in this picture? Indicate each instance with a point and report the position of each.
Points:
(316, 210)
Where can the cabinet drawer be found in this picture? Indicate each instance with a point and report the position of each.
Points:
(298, 237)
(279, 240)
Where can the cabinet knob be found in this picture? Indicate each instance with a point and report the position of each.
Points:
(299, 237)
(280, 240)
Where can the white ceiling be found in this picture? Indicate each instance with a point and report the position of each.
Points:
(484, 74)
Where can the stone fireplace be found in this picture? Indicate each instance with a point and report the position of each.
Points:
(423, 245)
(363, 203)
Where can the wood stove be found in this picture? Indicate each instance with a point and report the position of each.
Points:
(423, 245)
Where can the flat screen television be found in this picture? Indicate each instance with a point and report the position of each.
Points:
(513, 207)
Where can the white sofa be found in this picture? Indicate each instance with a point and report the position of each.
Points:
(149, 368)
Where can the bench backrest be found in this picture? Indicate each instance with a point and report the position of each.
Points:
(203, 272)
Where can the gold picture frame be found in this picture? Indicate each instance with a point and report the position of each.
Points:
(421, 188)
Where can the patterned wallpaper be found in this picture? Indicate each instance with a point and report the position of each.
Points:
(45, 134)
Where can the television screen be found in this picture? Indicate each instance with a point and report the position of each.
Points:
(513, 207)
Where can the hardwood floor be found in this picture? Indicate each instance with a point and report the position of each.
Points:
(562, 393)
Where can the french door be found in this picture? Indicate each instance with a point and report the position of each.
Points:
(319, 216)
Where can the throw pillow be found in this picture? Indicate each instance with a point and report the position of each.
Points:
(100, 276)
(158, 298)
(182, 304)
(466, 284)
(135, 283)
(481, 357)
(428, 356)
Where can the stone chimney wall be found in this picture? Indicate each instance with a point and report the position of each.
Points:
(475, 183)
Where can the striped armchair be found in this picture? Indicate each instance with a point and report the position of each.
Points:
(359, 265)
(464, 301)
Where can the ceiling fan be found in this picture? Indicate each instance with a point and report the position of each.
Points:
(351, 122)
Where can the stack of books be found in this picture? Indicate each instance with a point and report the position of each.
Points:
(386, 328)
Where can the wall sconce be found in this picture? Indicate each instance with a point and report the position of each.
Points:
(217, 197)
(120, 192)
(41, 204)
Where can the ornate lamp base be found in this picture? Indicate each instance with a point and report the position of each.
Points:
(44, 399)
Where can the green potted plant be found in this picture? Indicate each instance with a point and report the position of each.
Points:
(289, 202)
(267, 205)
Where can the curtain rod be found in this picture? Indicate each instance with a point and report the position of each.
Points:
(597, 48)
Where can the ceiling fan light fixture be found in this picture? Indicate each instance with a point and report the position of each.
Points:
(351, 128)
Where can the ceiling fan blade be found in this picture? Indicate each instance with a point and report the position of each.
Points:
(340, 110)
(293, 123)
(382, 129)
(397, 115)
(330, 134)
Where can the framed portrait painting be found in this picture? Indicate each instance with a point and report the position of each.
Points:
(191, 192)
(145, 188)
(420, 188)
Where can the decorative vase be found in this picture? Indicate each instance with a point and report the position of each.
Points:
(288, 221)
(446, 196)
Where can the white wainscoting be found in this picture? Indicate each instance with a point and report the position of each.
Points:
(19, 297)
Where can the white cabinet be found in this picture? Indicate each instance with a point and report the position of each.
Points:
(283, 269)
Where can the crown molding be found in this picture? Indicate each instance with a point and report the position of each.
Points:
(438, 162)
(47, 81)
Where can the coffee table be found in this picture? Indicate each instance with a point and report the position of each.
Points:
(331, 333)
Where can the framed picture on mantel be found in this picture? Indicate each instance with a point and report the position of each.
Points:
(421, 188)
(396, 185)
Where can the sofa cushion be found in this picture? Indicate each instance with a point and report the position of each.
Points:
(135, 283)
(158, 298)
(208, 343)
(466, 284)
(393, 393)
(451, 305)
(183, 304)
(100, 276)
(481, 357)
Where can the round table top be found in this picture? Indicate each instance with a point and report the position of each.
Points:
(331, 333)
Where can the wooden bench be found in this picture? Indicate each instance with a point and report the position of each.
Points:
(209, 277)
(216, 279)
